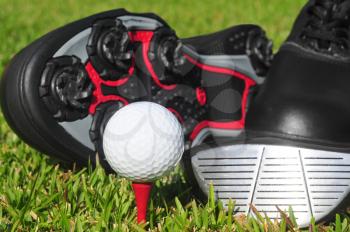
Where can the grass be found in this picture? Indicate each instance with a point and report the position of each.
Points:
(37, 195)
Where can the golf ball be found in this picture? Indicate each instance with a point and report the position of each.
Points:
(143, 141)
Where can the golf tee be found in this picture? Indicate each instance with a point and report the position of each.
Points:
(142, 192)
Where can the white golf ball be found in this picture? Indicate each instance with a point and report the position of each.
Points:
(143, 141)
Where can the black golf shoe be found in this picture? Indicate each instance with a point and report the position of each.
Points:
(297, 144)
(58, 93)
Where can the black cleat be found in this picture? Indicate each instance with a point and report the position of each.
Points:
(296, 152)
(59, 92)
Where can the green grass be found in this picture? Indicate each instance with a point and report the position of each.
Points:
(37, 195)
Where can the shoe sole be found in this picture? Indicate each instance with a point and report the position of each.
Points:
(73, 135)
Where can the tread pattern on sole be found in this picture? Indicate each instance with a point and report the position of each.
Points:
(66, 89)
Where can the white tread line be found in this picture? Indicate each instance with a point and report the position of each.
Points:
(256, 181)
(305, 181)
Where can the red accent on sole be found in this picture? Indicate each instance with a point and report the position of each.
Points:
(142, 192)
(201, 96)
(98, 96)
(223, 125)
(145, 37)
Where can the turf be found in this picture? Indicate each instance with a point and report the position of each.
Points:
(36, 194)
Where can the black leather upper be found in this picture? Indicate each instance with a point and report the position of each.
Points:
(306, 94)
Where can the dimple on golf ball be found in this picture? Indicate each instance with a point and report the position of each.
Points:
(143, 141)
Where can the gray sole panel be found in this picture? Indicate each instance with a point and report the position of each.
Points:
(312, 182)
(239, 63)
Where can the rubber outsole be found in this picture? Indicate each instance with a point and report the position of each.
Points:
(25, 99)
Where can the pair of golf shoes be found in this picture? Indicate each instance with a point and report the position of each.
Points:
(262, 132)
